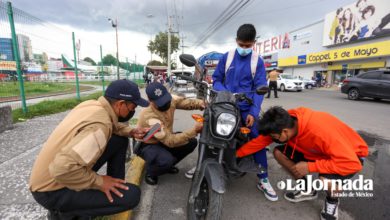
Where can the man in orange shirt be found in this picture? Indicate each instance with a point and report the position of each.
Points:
(313, 142)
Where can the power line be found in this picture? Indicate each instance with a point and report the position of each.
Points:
(227, 14)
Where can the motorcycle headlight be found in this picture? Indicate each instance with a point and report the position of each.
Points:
(225, 124)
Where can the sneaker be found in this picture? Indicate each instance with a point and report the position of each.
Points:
(269, 192)
(330, 211)
(190, 173)
(298, 196)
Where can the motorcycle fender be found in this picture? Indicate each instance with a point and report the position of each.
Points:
(216, 177)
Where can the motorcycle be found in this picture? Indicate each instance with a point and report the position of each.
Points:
(222, 134)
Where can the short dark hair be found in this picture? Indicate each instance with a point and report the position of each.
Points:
(274, 120)
(339, 10)
(246, 32)
(367, 9)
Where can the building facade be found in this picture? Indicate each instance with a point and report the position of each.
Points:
(329, 50)
(6, 50)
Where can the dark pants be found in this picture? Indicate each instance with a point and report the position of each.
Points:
(273, 85)
(68, 203)
(299, 157)
(160, 158)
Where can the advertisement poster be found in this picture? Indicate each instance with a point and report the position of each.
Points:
(360, 20)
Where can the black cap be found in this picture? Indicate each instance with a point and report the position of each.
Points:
(158, 94)
(127, 90)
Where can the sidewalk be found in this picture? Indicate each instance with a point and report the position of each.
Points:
(18, 150)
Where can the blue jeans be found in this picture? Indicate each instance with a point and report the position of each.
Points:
(260, 156)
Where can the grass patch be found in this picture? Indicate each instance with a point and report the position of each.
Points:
(140, 82)
(49, 107)
(34, 88)
(54, 106)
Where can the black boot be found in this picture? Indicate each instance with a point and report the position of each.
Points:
(151, 180)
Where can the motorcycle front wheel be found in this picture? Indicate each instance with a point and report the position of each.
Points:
(207, 204)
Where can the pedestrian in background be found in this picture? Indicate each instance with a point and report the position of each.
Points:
(273, 83)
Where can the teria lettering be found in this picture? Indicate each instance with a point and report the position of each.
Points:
(366, 52)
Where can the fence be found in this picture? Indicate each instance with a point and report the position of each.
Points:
(39, 60)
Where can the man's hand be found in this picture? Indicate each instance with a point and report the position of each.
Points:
(111, 184)
(138, 133)
(249, 120)
(300, 169)
(202, 105)
(198, 127)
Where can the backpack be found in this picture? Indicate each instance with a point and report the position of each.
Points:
(254, 61)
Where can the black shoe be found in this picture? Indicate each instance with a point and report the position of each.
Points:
(53, 215)
(267, 97)
(151, 180)
(276, 97)
(330, 211)
(173, 170)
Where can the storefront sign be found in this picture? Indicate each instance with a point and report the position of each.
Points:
(272, 45)
(370, 65)
(8, 65)
(358, 52)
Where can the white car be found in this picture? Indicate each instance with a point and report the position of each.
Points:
(179, 81)
(289, 82)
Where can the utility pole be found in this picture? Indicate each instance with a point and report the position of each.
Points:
(169, 46)
(182, 50)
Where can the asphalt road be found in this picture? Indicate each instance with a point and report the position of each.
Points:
(243, 200)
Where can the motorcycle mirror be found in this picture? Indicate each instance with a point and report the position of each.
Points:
(187, 59)
(262, 90)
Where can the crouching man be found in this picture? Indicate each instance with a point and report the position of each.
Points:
(64, 178)
(166, 148)
(313, 142)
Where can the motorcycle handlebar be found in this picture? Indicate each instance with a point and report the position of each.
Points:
(240, 96)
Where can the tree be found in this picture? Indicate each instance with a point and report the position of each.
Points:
(155, 63)
(90, 60)
(109, 60)
(159, 45)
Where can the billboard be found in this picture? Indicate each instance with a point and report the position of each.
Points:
(360, 20)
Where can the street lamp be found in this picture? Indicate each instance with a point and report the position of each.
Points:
(114, 24)
(151, 35)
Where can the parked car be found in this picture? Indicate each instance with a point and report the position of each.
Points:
(309, 84)
(373, 84)
(289, 82)
(179, 81)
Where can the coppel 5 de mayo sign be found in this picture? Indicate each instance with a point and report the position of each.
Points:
(357, 52)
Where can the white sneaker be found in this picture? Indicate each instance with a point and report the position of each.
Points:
(269, 192)
(190, 173)
(298, 196)
(330, 211)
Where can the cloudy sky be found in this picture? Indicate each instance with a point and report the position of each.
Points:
(139, 20)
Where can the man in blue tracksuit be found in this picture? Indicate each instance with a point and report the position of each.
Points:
(245, 73)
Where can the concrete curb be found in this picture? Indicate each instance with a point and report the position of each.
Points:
(134, 176)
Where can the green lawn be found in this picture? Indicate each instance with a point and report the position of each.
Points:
(54, 106)
(11, 89)
(140, 82)
(50, 107)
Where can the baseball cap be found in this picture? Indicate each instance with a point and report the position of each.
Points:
(157, 93)
(127, 90)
